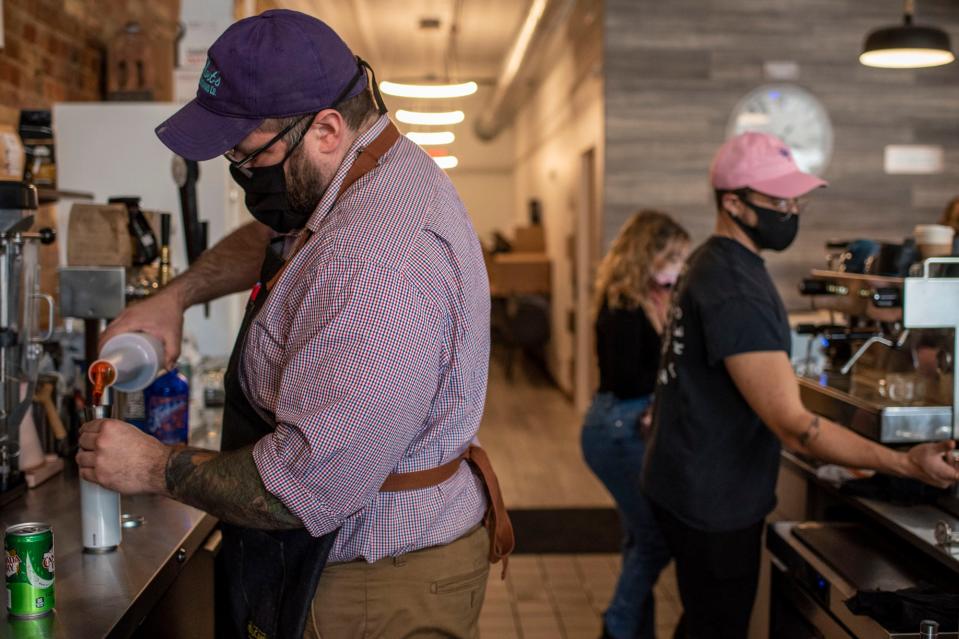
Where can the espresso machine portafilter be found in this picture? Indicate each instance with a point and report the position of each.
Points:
(20, 341)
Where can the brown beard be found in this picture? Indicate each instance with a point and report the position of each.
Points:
(306, 184)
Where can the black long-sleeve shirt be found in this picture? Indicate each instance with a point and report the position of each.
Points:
(628, 349)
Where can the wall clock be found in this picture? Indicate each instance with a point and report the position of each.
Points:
(794, 115)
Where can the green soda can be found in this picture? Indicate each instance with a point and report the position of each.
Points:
(38, 628)
(30, 570)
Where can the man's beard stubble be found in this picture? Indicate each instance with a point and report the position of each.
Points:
(306, 186)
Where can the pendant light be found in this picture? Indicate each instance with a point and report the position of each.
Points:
(424, 138)
(907, 46)
(427, 118)
(405, 90)
(446, 161)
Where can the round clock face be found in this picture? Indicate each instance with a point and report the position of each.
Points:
(792, 114)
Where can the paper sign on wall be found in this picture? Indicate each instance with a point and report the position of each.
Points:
(913, 159)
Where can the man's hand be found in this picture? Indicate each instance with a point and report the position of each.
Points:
(926, 462)
(160, 315)
(121, 457)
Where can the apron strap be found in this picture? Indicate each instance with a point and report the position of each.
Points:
(496, 520)
(418, 479)
(365, 162)
(370, 156)
(298, 243)
(502, 541)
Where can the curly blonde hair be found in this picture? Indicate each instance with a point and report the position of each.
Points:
(950, 216)
(623, 277)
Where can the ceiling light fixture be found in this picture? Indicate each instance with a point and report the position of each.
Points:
(446, 161)
(432, 137)
(907, 46)
(518, 51)
(403, 90)
(429, 119)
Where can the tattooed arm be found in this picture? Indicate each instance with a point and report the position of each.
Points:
(228, 486)
(767, 383)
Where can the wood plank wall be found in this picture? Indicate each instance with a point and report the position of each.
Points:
(676, 68)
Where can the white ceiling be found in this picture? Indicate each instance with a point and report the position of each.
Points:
(470, 43)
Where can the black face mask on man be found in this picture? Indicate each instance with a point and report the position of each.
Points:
(267, 197)
(774, 230)
(280, 203)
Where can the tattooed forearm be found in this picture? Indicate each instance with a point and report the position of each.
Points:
(228, 486)
(811, 433)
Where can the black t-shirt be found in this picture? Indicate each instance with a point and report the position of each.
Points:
(627, 347)
(711, 461)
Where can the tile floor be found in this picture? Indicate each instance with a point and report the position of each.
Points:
(537, 456)
(562, 597)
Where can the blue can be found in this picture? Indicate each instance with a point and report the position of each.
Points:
(167, 403)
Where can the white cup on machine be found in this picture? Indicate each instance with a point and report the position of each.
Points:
(934, 240)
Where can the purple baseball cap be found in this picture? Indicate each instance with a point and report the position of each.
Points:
(761, 162)
(277, 64)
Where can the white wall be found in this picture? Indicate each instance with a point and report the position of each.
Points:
(484, 177)
(560, 121)
(488, 196)
(110, 149)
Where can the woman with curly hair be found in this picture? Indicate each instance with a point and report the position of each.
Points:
(633, 288)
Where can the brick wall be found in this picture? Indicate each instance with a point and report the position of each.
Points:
(54, 50)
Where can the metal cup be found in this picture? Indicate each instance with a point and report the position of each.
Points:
(99, 507)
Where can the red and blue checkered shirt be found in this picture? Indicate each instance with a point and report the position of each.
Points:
(372, 353)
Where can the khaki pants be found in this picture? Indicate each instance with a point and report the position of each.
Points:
(435, 592)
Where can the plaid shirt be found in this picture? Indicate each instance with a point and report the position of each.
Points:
(371, 353)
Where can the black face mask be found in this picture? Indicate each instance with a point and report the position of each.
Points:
(267, 197)
(774, 230)
(267, 194)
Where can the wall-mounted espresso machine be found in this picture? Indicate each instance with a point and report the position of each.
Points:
(885, 364)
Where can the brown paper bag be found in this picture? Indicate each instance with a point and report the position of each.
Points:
(98, 236)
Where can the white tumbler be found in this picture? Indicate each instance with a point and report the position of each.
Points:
(99, 507)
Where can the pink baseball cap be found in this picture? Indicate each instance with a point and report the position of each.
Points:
(761, 162)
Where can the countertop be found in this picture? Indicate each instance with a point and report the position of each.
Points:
(107, 595)
(913, 524)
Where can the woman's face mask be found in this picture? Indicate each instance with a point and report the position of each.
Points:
(667, 278)
(668, 265)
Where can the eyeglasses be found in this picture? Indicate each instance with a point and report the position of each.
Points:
(786, 206)
(240, 165)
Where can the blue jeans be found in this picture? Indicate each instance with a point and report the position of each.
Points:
(613, 448)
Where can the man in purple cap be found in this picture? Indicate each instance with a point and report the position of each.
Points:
(727, 398)
(357, 383)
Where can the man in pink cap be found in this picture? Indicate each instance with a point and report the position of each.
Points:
(727, 399)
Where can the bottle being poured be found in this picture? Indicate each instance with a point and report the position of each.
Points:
(102, 375)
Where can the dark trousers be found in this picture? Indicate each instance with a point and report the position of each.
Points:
(717, 572)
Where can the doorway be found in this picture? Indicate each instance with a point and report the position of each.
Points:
(587, 251)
